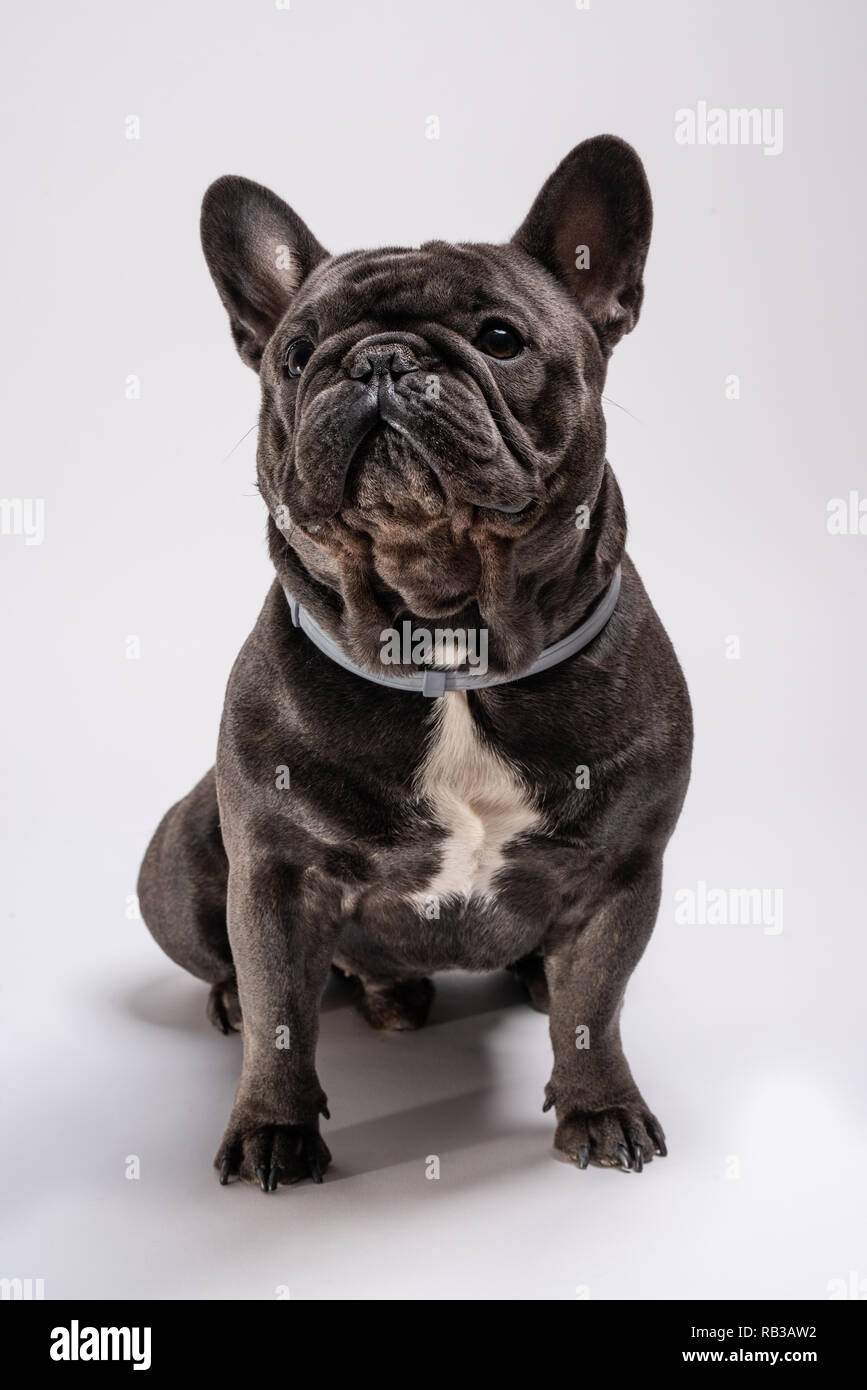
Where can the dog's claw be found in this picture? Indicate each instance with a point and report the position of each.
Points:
(323, 1110)
(658, 1138)
(224, 1010)
(272, 1155)
(621, 1137)
(549, 1101)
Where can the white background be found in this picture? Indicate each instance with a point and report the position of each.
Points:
(749, 1046)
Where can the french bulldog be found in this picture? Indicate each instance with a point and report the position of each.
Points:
(431, 449)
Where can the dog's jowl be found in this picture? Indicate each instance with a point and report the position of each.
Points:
(431, 426)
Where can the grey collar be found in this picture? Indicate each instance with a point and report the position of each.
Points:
(434, 683)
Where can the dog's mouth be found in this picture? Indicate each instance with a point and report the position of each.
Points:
(516, 517)
(412, 485)
(423, 537)
(391, 480)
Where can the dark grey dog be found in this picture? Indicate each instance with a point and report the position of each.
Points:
(431, 448)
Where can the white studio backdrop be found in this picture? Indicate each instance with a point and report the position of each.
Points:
(733, 414)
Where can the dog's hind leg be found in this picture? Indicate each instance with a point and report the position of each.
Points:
(182, 894)
(530, 970)
(385, 996)
(392, 1005)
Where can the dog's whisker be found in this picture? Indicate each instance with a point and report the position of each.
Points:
(609, 401)
(240, 442)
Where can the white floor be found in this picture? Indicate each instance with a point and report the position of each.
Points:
(758, 1197)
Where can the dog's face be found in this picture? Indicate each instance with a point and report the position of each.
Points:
(427, 413)
(407, 402)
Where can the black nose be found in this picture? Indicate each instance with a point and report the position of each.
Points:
(381, 358)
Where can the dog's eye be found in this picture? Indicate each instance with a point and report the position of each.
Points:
(499, 340)
(298, 354)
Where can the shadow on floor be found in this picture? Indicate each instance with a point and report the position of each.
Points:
(395, 1098)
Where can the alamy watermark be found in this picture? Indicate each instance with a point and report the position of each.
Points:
(718, 125)
(441, 646)
(703, 906)
(23, 516)
(21, 1290)
(847, 516)
(77, 1343)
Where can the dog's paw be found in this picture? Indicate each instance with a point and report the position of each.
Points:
(624, 1136)
(272, 1155)
(224, 1007)
(400, 1005)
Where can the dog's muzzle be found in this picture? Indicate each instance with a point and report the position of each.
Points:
(438, 437)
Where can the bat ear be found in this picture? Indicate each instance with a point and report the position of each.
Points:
(258, 252)
(590, 226)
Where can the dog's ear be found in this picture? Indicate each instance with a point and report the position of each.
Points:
(590, 226)
(258, 252)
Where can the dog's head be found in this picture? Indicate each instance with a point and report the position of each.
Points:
(431, 418)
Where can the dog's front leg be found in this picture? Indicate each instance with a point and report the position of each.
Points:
(282, 939)
(602, 1117)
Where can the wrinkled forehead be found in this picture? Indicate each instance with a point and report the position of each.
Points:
(438, 281)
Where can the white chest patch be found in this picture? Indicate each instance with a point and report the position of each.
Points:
(475, 796)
